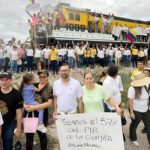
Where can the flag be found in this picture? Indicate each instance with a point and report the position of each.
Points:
(62, 17)
(131, 35)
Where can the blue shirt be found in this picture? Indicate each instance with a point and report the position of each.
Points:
(28, 94)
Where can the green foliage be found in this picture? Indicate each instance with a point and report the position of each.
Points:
(126, 80)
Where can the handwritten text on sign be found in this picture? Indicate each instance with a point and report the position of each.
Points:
(100, 131)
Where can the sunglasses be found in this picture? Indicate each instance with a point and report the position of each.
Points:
(42, 77)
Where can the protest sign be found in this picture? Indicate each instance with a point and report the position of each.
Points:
(33, 8)
(100, 131)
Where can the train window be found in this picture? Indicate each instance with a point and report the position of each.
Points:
(77, 17)
(71, 16)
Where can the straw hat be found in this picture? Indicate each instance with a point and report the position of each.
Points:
(140, 80)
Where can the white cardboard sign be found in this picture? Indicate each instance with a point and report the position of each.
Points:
(100, 131)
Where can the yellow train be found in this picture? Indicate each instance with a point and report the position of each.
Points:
(72, 24)
(75, 19)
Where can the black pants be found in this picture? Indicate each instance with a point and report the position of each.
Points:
(145, 117)
(123, 120)
(30, 136)
(134, 60)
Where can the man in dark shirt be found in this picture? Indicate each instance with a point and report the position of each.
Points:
(11, 102)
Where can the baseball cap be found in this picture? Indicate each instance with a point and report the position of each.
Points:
(6, 75)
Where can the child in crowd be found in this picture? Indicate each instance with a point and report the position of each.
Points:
(29, 96)
(1, 122)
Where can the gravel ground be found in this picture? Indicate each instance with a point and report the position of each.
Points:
(142, 139)
(52, 133)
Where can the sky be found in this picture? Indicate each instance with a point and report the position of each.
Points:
(13, 17)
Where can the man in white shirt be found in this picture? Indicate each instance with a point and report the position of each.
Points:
(113, 85)
(96, 21)
(101, 55)
(7, 50)
(14, 56)
(45, 53)
(67, 93)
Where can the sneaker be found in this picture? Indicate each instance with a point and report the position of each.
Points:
(18, 145)
(42, 128)
(135, 143)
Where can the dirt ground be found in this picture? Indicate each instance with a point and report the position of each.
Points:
(52, 133)
(142, 139)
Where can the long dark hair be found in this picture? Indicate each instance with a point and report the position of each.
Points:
(138, 92)
(27, 78)
(45, 94)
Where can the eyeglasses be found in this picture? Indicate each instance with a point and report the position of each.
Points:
(42, 77)
(64, 70)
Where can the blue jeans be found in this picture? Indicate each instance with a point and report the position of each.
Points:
(81, 59)
(29, 63)
(1, 63)
(13, 66)
(110, 60)
(71, 62)
(7, 135)
(54, 66)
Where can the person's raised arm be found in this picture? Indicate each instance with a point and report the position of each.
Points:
(28, 13)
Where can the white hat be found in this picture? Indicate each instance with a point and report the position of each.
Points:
(140, 80)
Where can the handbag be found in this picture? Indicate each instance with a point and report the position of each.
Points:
(19, 62)
(30, 123)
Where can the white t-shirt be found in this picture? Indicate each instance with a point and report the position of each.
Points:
(71, 53)
(129, 52)
(111, 52)
(67, 94)
(14, 55)
(46, 52)
(7, 50)
(119, 83)
(100, 53)
(140, 105)
(60, 52)
(146, 51)
(1, 120)
(1, 53)
(38, 53)
(141, 54)
(29, 52)
(118, 54)
(111, 86)
(125, 52)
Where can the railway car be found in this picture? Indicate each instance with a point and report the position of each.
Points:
(72, 24)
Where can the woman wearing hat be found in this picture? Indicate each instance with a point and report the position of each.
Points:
(138, 100)
(45, 97)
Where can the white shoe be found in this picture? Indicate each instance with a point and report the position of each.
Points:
(42, 128)
(135, 143)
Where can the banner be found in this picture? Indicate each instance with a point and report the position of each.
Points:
(33, 8)
(100, 131)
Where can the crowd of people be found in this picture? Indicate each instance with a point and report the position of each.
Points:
(18, 57)
(42, 25)
(92, 97)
